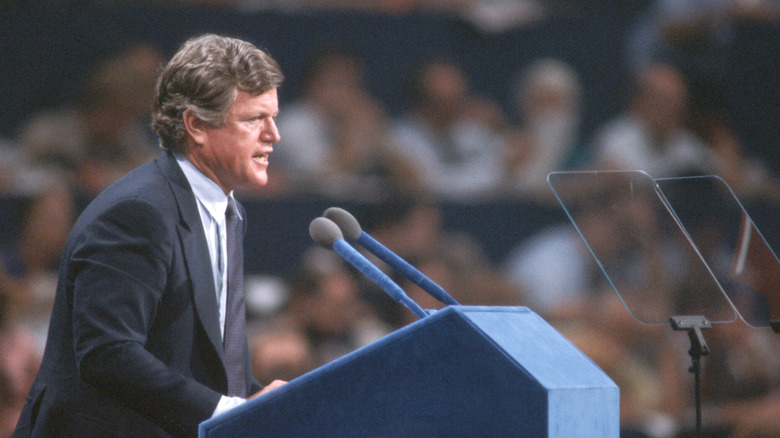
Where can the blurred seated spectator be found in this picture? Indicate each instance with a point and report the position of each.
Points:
(20, 359)
(495, 16)
(548, 100)
(9, 161)
(748, 177)
(105, 133)
(29, 263)
(758, 419)
(652, 133)
(556, 271)
(676, 28)
(10, 409)
(327, 307)
(698, 36)
(279, 349)
(334, 137)
(452, 136)
(412, 228)
(739, 383)
(468, 280)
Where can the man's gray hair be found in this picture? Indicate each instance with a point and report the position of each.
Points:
(205, 76)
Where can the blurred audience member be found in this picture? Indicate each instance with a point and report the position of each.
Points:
(28, 265)
(555, 268)
(652, 134)
(20, 359)
(758, 419)
(494, 16)
(326, 305)
(468, 280)
(747, 176)
(281, 350)
(451, 135)
(412, 228)
(742, 368)
(408, 225)
(548, 99)
(105, 134)
(9, 162)
(739, 382)
(9, 408)
(335, 137)
(696, 35)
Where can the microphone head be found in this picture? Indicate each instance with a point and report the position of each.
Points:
(324, 232)
(346, 222)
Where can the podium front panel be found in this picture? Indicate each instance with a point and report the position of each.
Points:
(462, 371)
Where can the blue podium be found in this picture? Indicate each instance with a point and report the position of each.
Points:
(462, 371)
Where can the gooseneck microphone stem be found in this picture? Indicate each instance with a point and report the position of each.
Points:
(354, 258)
(351, 230)
(405, 268)
(327, 234)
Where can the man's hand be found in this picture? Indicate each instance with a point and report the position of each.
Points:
(270, 387)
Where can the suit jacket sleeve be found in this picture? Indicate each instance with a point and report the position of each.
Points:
(123, 261)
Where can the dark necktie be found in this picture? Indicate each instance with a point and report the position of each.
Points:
(235, 343)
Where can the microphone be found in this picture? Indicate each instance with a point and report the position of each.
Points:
(327, 234)
(351, 230)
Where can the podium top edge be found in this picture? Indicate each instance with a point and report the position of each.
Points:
(482, 309)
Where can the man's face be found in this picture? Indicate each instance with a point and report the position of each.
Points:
(235, 155)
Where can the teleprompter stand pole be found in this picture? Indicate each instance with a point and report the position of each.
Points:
(694, 325)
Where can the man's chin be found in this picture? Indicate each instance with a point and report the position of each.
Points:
(255, 185)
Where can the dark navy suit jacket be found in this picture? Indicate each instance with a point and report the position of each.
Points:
(134, 346)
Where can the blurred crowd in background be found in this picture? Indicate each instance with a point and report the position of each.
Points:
(449, 144)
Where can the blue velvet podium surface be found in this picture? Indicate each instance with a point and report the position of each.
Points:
(462, 371)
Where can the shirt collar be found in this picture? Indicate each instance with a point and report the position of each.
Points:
(205, 190)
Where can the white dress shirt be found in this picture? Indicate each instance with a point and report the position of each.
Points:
(212, 203)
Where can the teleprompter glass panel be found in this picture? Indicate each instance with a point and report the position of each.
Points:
(742, 261)
(641, 246)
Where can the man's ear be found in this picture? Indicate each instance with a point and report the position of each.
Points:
(196, 128)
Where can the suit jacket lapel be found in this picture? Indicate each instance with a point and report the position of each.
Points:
(195, 252)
